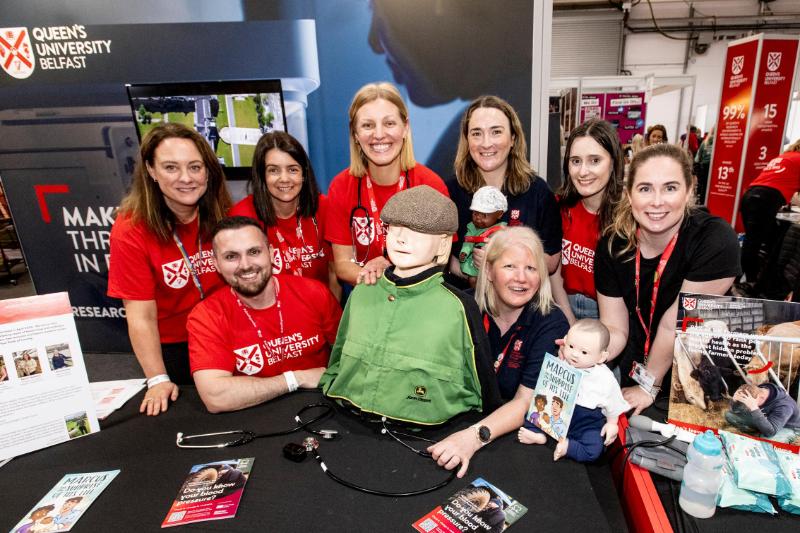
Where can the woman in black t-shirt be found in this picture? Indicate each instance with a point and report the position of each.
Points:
(678, 249)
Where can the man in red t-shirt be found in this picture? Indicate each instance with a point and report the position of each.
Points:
(765, 196)
(266, 334)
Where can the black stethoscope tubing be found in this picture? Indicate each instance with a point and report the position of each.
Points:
(370, 222)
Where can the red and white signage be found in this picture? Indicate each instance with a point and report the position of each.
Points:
(754, 103)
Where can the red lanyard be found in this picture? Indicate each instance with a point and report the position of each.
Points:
(501, 355)
(375, 214)
(662, 264)
(289, 257)
(250, 317)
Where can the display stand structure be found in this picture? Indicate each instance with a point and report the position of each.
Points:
(757, 83)
(573, 89)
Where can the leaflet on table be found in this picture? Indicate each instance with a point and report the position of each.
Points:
(66, 502)
(723, 342)
(44, 391)
(111, 395)
(480, 506)
(211, 491)
(554, 397)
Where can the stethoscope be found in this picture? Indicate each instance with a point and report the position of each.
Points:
(310, 446)
(239, 437)
(370, 228)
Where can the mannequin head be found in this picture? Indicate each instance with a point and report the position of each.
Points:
(412, 252)
(421, 223)
(586, 343)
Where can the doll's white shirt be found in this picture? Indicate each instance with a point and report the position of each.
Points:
(599, 388)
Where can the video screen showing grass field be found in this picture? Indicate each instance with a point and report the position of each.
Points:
(231, 123)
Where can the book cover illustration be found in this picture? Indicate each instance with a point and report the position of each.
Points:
(65, 503)
(479, 507)
(554, 398)
(725, 344)
(211, 491)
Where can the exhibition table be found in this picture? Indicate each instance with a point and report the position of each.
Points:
(285, 496)
(651, 505)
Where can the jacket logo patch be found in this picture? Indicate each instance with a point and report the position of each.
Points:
(420, 391)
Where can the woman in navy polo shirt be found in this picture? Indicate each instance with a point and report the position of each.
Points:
(523, 323)
(492, 151)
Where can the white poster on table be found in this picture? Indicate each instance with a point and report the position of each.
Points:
(44, 390)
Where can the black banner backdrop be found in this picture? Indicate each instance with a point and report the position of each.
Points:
(68, 141)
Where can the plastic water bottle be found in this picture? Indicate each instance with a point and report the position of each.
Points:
(702, 476)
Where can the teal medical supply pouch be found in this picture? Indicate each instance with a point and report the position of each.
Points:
(790, 466)
(755, 465)
(744, 500)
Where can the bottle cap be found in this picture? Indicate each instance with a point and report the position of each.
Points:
(707, 444)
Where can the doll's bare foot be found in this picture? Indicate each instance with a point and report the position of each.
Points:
(561, 449)
(526, 436)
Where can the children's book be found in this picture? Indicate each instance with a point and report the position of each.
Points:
(479, 507)
(66, 502)
(554, 398)
(723, 343)
(211, 491)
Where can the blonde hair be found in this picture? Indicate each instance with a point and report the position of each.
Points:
(794, 147)
(369, 93)
(501, 241)
(519, 174)
(637, 143)
(624, 225)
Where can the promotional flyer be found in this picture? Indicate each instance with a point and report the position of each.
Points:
(44, 390)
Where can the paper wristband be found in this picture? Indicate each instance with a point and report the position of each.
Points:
(155, 380)
(291, 380)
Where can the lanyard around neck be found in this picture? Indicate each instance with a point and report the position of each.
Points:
(256, 327)
(289, 257)
(502, 355)
(188, 260)
(373, 208)
(662, 265)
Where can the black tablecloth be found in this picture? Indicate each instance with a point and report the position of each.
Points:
(285, 496)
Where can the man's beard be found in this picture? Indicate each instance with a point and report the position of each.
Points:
(253, 287)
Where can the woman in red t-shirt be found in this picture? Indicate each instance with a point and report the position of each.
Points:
(286, 200)
(381, 164)
(593, 173)
(160, 262)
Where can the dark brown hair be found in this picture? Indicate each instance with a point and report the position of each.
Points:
(606, 136)
(145, 201)
(308, 202)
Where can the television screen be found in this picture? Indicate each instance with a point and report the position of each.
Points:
(231, 115)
